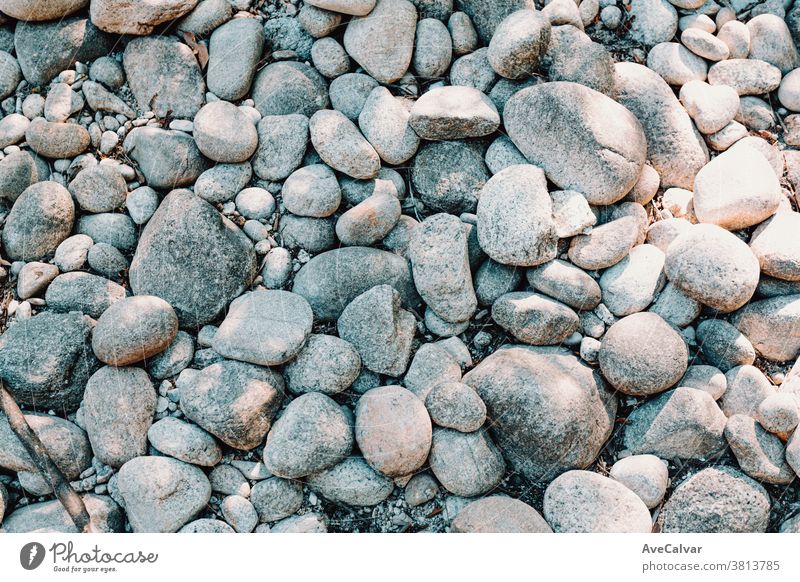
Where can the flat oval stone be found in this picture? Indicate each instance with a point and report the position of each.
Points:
(352, 482)
(84, 292)
(326, 364)
(747, 76)
(499, 514)
(184, 441)
(340, 144)
(606, 245)
(56, 140)
(567, 283)
(466, 464)
(633, 283)
(772, 326)
(534, 319)
(518, 44)
(384, 120)
(312, 191)
(370, 220)
(777, 248)
(676, 64)
(230, 72)
(287, 87)
(224, 133)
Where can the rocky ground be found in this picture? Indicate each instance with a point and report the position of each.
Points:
(389, 266)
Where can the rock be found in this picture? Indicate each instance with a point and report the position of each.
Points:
(224, 133)
(330, 281)
(675, 307)
(567, 129)
(645, 475)
(586, 502)
(312, 434)
(759, 453)
(14, 126)
(184, 441)
(736, 36)
(393, 430)
(453, 112)
(466, 464)
(653, 21)
(133, 329)
(747, 388)
(371, 220)
(705, 44)
(164, 77)
(115, 230)
(384, 120)
(499, 514)
(312, 191)
(326, 364)
(573, 56)
(352, 482)
(99, 188)
(349, 92)
(172, 361)
(47, 48)
(340, 144)
(222, 182)
(493, 280)
(462, 33)
(288, 87)
(534, 319)
(771, 326)
(205, 17)
(683, 423)
(676, 64)
(488, 16)
(79, 291)
(750, 187)
(230, 78)
(126, 17)
(239, 513)
(606, 245)
(162, 494)
(420, 489)
(353, 7)
(789, 91)
(501, 154)
(282, 143)
(457, 406)
(379, 330)
(50, 516)
(633, 283)
(746, 76)
(706, 378)
(474, 71)
(792, 453)
(168, 159)
(206, 526)
(440, 264)
(674, 147)
(46, 360)
(18, 170)
(433, 48)
(779, 413)
(711, 108)
(22, 10)
(642, 355)
(193, 257)
(723, 345)
(118, 409)
(515, 225)
(771, 41)
(568, 425)
(107, 260)
(234, 401)
(519, 42)
(10, 74)
(717, 500)
(566, 283)
(34, 278)
(308, 523)
(449, 175)
(56, 140)
(276, 498)
(713, 266)
(382, 42)
(229, 480)
(255, 203)
(65, 443)
(432, 365)
(314, 235)
(775, 248)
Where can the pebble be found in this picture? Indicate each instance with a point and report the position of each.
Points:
(771, 41)
(769, 325)
(710, 107)
(234, 50)
(519, 42)
(448, 175)
(432, 365)
(275, 498)
(384, 121)
(224, 133)
(746, 76)
(342, 146)
(566, 283)
(759, 453)
(457, 406)
(433, 49)
(633, 283)
(312, 191)
(228, 480)
(779, 413)
(654, 21)
(282, 141)
(466, 464)
(645, 475)
(326, 364)
(370, 220)
(287, 87)
(723, 345)
(747, 388)
(534, 319)
(80, 291)
(775, 248)
(185, 442)
(499, 514)
(420, 489)
(606, 245)
(736, 36)
(676, 64)
(705, 44)
(453, 112)
(352, 482)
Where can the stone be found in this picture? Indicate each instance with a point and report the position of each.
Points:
(379, 330)
(177, 356)
(771, 326)
(706, 378)
(239, 513)
(308, 523)
(683, 423)
(723, 345)
(99, 188)
(382, 41)
(331, 280)
(642, 355)
(573, 56)
(515, 225)
(71, 254)
(168, 159)
(675, 307)
(586, 502)
(674, 148)
(393, 430)
(312, 434)
(453, 112)
(162, 494)
(234, 401)
(185, 442)
(134, 329)
(107, 260)
(433, 48)
(543, 440)
(759, 453)
(228, 480)
(234, 50)
(711, 108)
(45, 361)
(312, 191)
(449, 175)
(501, 154)
(499, 514)
(466, 464)
(118, 409)
(288, 87)
(457, 406)
(746, 76)
(13, 128)
(567, 283)
(534, 319)
(384, 121)
(34, 278)
(50, 516)
(654, 21)
(559, 127)
(44, 49)
(349, 92)
(712, 266)
(255, 203)
(747, 388)
(342, 146)
(776, 248)
(705, 44)
(431, 366)
(420, 489)
(164, 76)
(21, 10)
(282, 143)
(716, 500)
(206, 526)
(606, 245)
(127, 17)
(18, 170)
(115, 230)
(80, 291)
(100, 99)
(56, 140)
(736, 36)
(779, 413)
(474, 71)
(518, 43)
(488, 16)
(353, 7)
(645, 475)
(224, 133)
(193, 257)
(371, 220)
(494, 279)
(789, 91)
(352, 482)
(314, 235)
(275, 498)
(318, 22)
(222, 182)
(326, 364)
(771, 41)
(633, 283)
(676, 64)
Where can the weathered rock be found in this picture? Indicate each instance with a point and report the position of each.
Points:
(520, 41)
(566, 283)
(18, 170)
(224, 133)
(759, 453)
(711, 108)
(287, 87)
(340, 145)
(534, 319)
(22, 10)
(100, 188)
(453, 112)
(455, 405)
(432, 365)
(633, 283)
(384, 121)
(772, 326)
(235, 48)
(606, 245)
(776, 248)
(326, 364)
(487, 16)
(771, 41)
(645, 475)
(573, 56)
(129, 17)
(276, 498)
(723, 345)
(371, 220)
(50, 516)
(653, 21)
(168, 159)
(706, 378)
(39, 221)
(747, 76)
(282, 142)
(184, 441)
(433, 49)
(56, 140)
(354, 7)
(676, 64)
(449, 175)
(352, 482)
(466, 464)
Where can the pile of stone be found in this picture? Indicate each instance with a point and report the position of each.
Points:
(414, 258)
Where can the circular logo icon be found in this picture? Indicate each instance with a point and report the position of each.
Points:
(31, 555)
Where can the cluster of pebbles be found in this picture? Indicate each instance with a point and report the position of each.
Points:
(402, 265)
